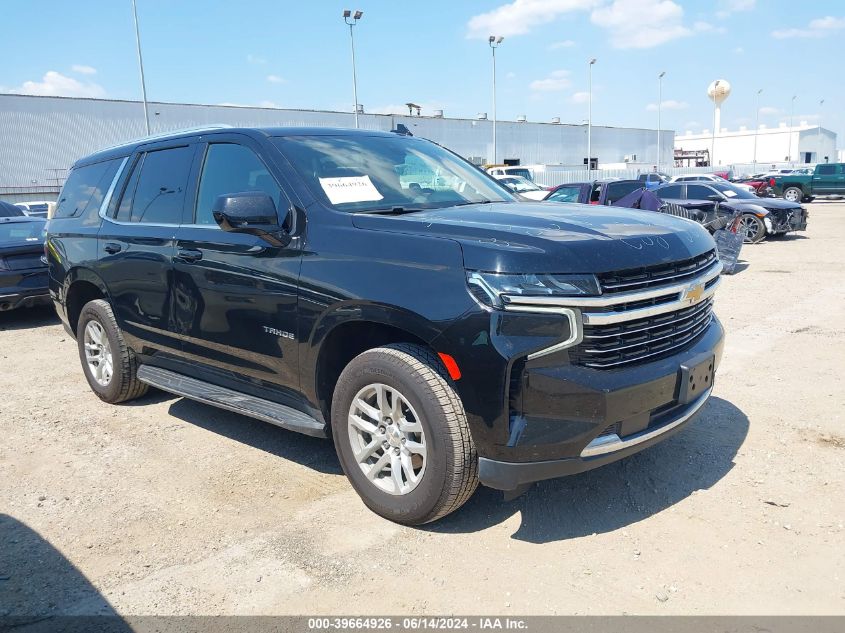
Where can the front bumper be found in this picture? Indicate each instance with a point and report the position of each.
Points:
(572, 419)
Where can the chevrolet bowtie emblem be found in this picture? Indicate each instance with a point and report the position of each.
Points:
(693, 293)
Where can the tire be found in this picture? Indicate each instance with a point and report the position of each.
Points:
(752, 227)
(793, 194)
(120, 383)
(429, 414)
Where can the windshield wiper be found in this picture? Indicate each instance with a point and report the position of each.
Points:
(463, 204)
(391, 211)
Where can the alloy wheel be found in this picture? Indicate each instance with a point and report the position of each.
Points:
(98, 353)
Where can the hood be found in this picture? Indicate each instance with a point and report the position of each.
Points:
(553, 237)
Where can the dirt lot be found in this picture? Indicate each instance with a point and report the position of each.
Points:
(165, 506)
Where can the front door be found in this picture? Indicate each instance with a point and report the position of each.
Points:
(236, 294)
(136, 243)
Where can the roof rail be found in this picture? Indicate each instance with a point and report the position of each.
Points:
(154, 137)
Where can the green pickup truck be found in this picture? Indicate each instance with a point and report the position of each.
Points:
(826, 180)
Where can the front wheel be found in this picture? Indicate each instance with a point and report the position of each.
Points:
(793, 194)
(401, 434)
(751, 228)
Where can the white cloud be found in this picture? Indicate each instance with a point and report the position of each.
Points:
(520, 16)
(706, 27)
(739, 50)
(275, 79)
(556, 81)
(641, 23)
(820, 27)
(581, 97)
(769, 110)
(510, 75)
(255, 59)
(668, 104)
(268, 104)
(55, 84)
(83, 70)
(559, 45)
(726, 7)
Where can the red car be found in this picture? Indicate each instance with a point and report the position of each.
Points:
(762, 183)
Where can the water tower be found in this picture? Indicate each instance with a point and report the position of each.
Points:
(718, 91)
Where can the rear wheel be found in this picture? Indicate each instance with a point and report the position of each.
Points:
(109, 365)
(751, 228)
(793, 194)
(401, 434)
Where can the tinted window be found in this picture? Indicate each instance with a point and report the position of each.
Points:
(826, 169)
(699, 192)
(231, 168)
(21, 231)
(670, 191)
(156, 190)
(9, 210)
(85, 188)
(617, 190)
(565, 194)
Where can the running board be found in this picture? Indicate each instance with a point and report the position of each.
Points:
(259, 408)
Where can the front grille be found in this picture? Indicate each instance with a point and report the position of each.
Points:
(629, 342)
(662, 274)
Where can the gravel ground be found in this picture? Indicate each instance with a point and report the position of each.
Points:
(165, 506)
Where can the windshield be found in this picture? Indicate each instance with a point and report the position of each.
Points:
(734, 192)
(357, 173)
(522, 173)
(519, 184)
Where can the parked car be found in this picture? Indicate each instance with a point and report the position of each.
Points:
(441, 336)
(710, 178)
(23, 274)
(761, 183)
(523, 187)
(760, 217)
(653, 180)
(8, 210)
(603, 192)
(38, 209)
(503, 170)
(827, 179)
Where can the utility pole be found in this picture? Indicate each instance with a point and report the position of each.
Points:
(791, 115)
(590, 116)
(141, 67)
(756, 129)
(659, 107)
(352, 19)
(494, 42)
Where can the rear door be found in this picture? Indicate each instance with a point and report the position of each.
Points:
(236, 294)
(136, 243)
(826, 179)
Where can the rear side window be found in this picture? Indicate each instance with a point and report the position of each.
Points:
(672, 191)
(155, 191)
(85, 188)
(231, 168)
(825, 170)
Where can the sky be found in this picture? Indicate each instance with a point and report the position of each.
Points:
(280, 53)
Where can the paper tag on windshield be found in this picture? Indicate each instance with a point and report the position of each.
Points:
(350, 189)
(729, 193)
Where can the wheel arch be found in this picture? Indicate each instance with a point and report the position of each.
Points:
(350, 330)
(81, 285)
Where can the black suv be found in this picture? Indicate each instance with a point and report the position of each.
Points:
(381, 290)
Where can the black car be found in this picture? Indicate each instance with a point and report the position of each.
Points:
(603, 192)
(381, 290)
(10, 210)
(760, 216)
(23, 274)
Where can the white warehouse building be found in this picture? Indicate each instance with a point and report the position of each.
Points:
(802, 143)
(41, 137)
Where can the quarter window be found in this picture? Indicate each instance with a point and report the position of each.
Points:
(85, 188)
(155, 191)
(231, 168)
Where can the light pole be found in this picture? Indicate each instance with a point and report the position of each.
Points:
(494, 42)
(819, 134)
(659, 106)
(141, 66)
(791, 114)
(756, 129)
(590, 115)
(352, 19)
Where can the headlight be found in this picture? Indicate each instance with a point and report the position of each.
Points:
(494, 289)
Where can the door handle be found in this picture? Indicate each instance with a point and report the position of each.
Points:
(112, 248)
(188, 255)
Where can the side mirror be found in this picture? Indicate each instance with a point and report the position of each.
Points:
(252, 212)
(715, 197)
